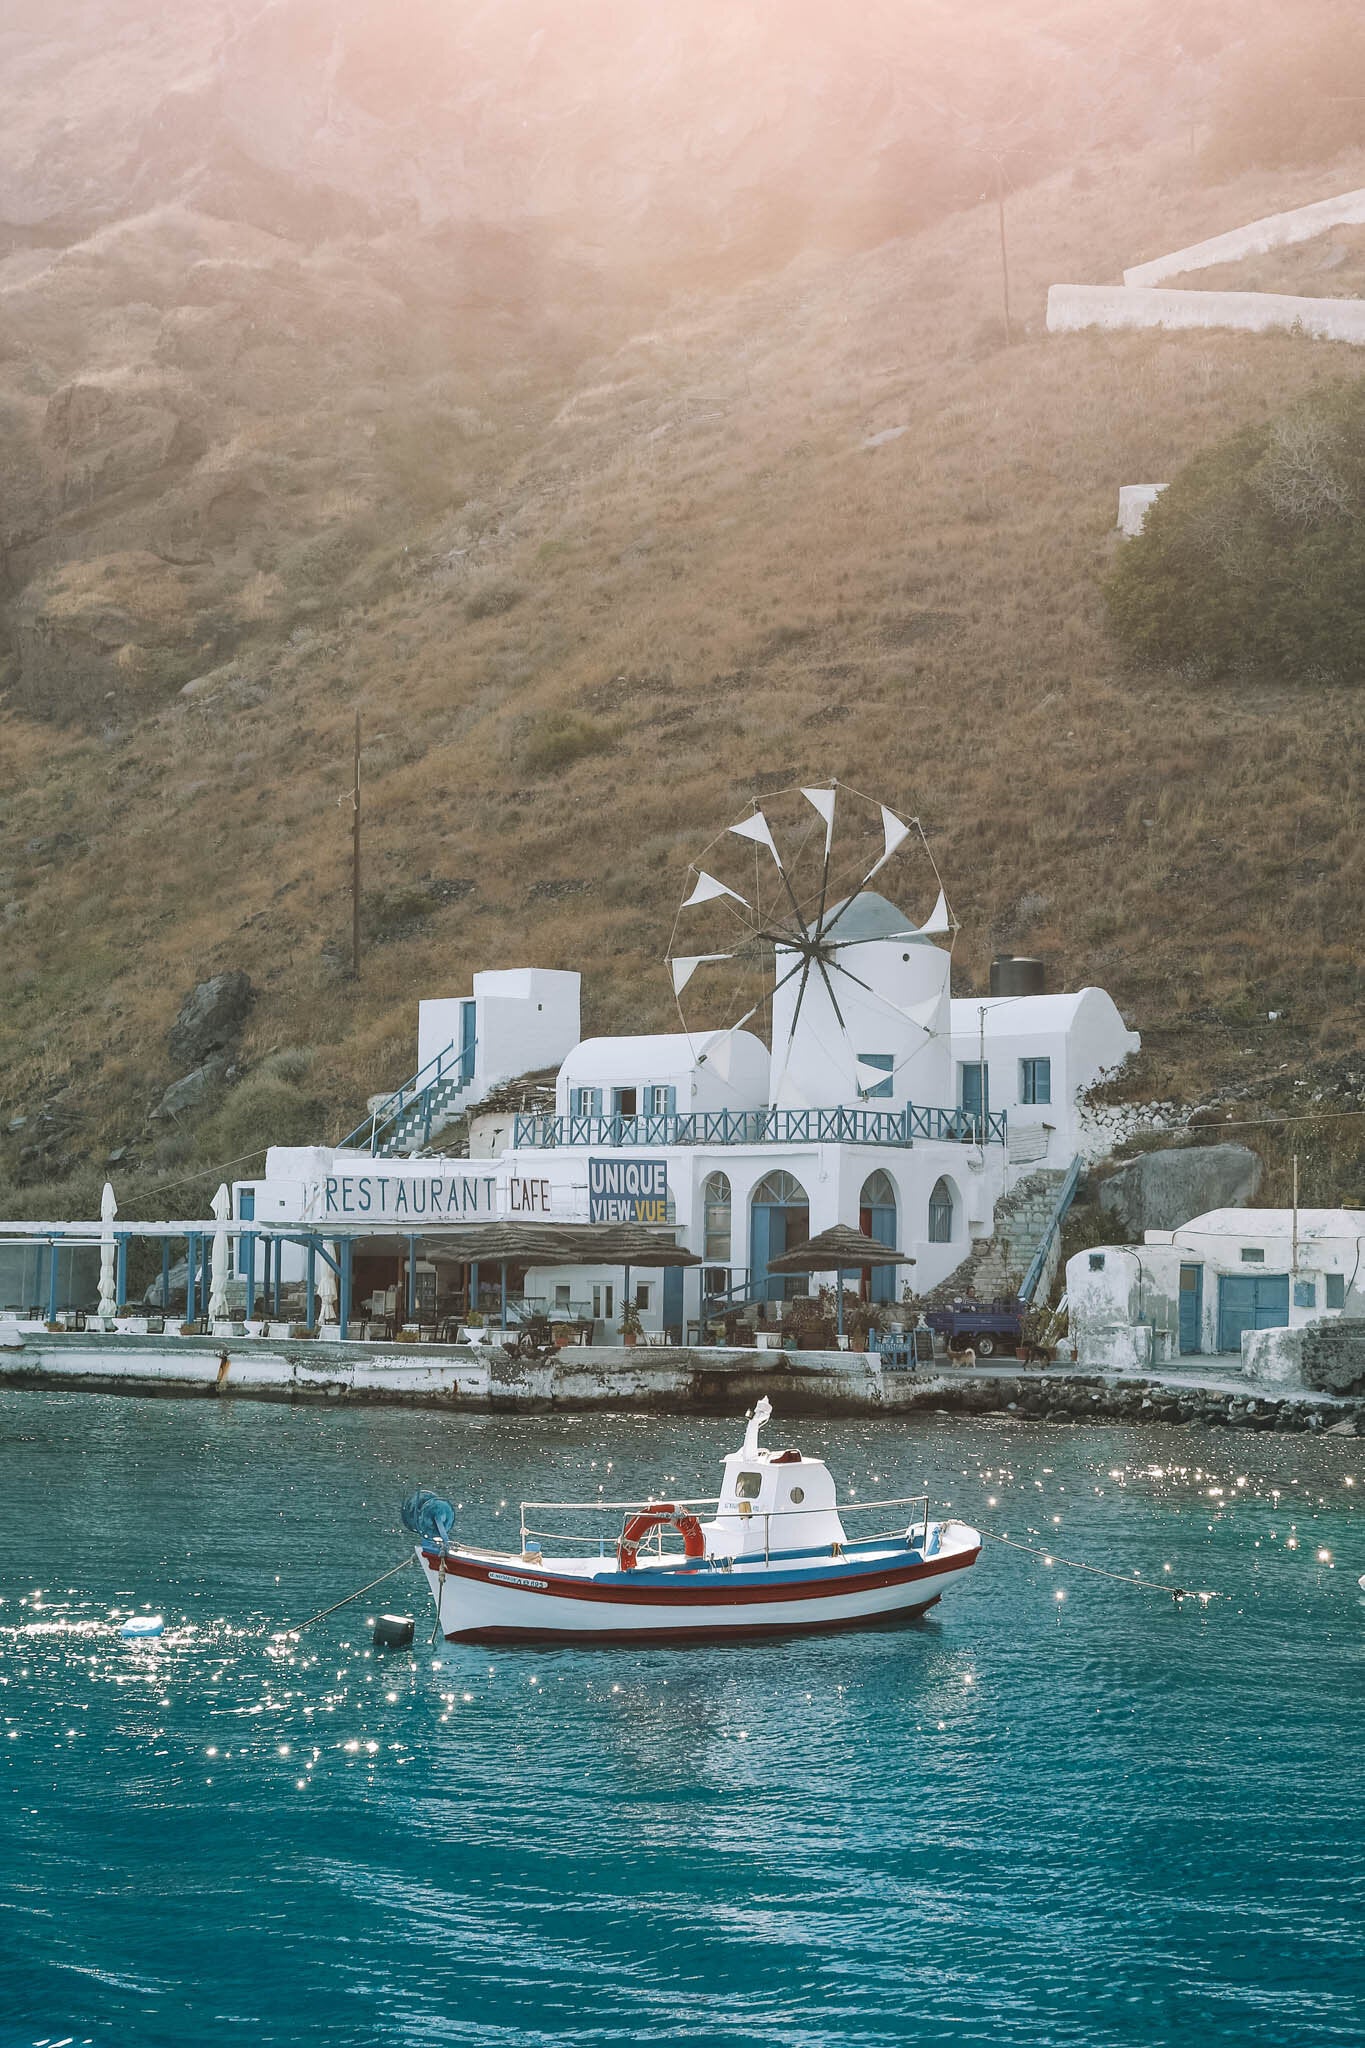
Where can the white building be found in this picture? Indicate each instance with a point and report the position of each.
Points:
(743, 1155)
(1194, 1291)
(1032, 1057)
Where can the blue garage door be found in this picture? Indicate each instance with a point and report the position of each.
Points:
(1250, 1301)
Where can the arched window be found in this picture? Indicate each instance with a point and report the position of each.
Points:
(879, 1191)
(716, 1219)
(781, 1190)
(941, 1213)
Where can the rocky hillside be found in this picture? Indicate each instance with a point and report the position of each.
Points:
(611, 405)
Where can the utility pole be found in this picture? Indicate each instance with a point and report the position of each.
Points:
(1004, 254)
(355, 858)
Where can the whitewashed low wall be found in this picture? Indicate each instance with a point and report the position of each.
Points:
(1274, 231)
(1072, 307)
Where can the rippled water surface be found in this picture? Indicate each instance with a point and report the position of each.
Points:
(1024, 1820)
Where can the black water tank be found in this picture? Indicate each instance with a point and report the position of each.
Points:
(1012, 976)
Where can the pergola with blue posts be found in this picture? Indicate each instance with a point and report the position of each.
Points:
(501, 1245)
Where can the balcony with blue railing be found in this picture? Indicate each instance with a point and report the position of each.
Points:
(764, 1127)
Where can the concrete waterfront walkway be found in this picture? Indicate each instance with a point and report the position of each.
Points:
(640, 1378)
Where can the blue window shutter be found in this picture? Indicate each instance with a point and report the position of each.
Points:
(670, 1102)
(246, 1205)
(594, 1102)
(1336, 1290)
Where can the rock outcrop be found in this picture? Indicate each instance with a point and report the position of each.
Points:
(210, 1019)
(1162, 1190)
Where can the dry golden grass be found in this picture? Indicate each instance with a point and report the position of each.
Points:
(711, 563)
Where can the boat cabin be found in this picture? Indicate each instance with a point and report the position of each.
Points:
(772, 1500)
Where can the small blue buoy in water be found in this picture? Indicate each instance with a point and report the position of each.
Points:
(142, 1625)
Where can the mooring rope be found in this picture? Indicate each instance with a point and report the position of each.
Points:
(297, 1628)
(1176, 1593)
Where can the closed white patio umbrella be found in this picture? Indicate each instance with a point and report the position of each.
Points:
(327, 1289)
(218, 1256)
(108, 1211)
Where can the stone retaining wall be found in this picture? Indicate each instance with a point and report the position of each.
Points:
(719, 1381)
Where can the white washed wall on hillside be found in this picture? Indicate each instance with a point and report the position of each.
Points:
(1274, 231)
(1074, 307)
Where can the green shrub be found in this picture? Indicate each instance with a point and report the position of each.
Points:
(557, 738)
(264, 1111)
(1251, 562)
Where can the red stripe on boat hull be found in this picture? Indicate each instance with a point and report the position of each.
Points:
(722, 1593)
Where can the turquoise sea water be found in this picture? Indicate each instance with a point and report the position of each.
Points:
(1020, 1821)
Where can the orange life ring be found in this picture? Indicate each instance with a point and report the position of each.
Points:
(647, 1520)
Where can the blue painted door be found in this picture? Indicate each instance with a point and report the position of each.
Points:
(879, 1221)
(468, 1014)
(1191, 1310)
(776, 1229)
(673, 1300)
(1250, 1301)
(767, 1238)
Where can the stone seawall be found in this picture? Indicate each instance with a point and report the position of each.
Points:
(642, 1379)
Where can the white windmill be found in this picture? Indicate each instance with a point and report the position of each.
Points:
(784, 928)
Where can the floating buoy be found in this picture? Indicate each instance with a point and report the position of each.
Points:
(142, 1625)
(393, 1632)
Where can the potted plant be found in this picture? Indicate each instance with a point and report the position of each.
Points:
(631, 1323)
(858, 1322)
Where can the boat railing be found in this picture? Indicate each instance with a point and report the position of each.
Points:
(653, 1543)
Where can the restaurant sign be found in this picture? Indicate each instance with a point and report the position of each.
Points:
(628, 1191)
(411, 1200)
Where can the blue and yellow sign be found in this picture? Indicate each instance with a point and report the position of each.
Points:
(628, 1191)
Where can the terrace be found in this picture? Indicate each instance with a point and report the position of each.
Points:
(899, 1127)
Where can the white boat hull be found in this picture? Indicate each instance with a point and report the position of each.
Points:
(491, 1597)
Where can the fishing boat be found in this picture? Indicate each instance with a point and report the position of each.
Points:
(768, 1556)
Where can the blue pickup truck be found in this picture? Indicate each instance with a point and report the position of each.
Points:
(988, 1326)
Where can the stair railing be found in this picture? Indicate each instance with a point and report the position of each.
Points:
(414, 1104)
(1066, 1195)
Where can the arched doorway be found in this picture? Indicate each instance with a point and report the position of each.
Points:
(941, 1215)
(781, 1222)
(877, 1218)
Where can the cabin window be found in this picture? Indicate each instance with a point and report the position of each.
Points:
(1336, 1290)
(1035, 1080)
(643, 1293)
(1097, 1262)
(1252, 1255)
(797, 1495)
(749, 1485)
(562, 1294)
(625, 1101)
(660, 1100)
(585, 1102)
(1305, 1294)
